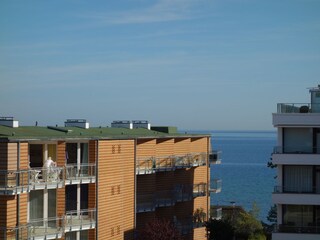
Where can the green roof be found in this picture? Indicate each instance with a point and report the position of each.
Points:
(63, 133)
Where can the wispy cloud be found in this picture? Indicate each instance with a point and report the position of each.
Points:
(161, 11)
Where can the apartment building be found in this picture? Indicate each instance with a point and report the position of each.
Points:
(297, 195)
(82, 182)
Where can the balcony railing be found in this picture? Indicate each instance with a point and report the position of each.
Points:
(298, 108)
(180, 193)
(296, 150)
(146, 203)
(52, 228)
(21, 181)
(216, 213)
(170, 163)
(187, 224)
(80, 220)
(297, 189)
(164, 198)
(83, 173)
(215, 157)
(216, 186)
(285, 228)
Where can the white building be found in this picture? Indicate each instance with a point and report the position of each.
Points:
(297, 156)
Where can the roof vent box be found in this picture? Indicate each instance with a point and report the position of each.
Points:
(81, 123)
(122, 124)
(9, 122)
(141, 124)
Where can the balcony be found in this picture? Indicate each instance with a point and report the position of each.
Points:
(21, 181)
(297, 114)
(164, 198)
(186, 225)
(216, 186)
(169, 163)
(180, 193)
(52, 228)
(298, 155)
(80, 220)
(296, 195)
(216, 213)
(80, 174)
(215, 157)
(285, 228)
(146, 203)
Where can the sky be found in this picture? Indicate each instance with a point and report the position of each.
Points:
(194, 64)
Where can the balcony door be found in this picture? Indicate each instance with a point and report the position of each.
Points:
(42, 206)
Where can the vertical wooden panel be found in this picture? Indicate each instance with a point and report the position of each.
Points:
(146, 148)
(165, 147)
(61, 193)
(12, 156)
(181, 146)
(61, 154)
(199, 145)
(23, 211)
(116, 173)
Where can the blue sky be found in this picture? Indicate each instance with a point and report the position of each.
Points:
(195, 64)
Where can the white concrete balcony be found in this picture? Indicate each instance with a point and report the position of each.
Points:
(296, 197)
(293, 156)
(296, 114)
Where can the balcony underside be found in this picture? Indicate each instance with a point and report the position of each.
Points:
(296, 198)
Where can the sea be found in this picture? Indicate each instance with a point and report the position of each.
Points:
(246, 179)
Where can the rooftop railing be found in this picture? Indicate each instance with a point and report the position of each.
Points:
(296, 150)
(21, 181)
(298, 108)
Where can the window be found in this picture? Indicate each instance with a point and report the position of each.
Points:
(298, 179)
(298, 140)
(298, 215)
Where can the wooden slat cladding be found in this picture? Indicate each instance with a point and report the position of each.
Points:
(165, 181)
(181, 146)
(12, 156)
(199, 233)
(24, 155)
(8, 211)
(23, 214)
(165, 147)
(116, 174)
(146, 148)
(93, 151)
(146, 184)
(61, 201)
(200, 174)
(199, 145)
(61, 153)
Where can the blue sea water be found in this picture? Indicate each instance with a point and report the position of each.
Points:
(245, 176)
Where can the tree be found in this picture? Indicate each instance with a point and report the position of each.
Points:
(160, 229)
(272, 215)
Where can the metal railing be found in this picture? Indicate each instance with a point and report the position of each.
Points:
(80, 173)
(215, 157)
(297, 189)
(286, 228)
(83, 219)
(22, 181)
(216, 213)
(180, 193)
(52, 228)
(295, 150)
(298, 108)
(169, 163)
(216, 185)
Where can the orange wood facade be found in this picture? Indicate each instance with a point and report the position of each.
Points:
(117, 185)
